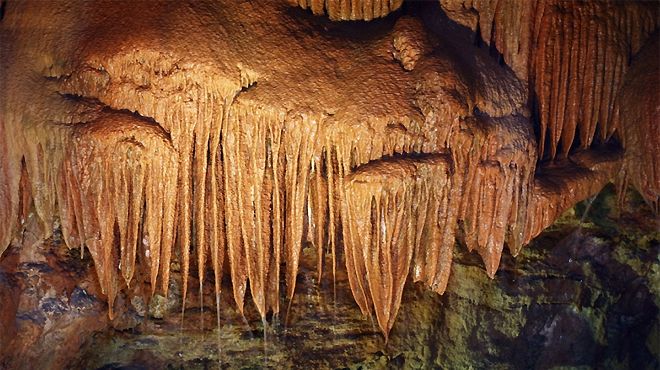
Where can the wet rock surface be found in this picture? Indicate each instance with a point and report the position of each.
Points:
(584, 295)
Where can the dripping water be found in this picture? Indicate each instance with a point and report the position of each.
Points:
(181, 336)
(183, 316)
(373, 323)
(286, 315)
(576, 237)
(333, 162)
(590, 201)
(201, 308)
(264, 325)
(247, 326)
(334, 301)
(218, 338)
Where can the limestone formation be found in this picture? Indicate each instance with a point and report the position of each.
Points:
(574, 54)
(638, 112)
(342, 10)
(223, 135)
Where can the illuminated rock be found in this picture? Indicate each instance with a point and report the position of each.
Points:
(229, 133)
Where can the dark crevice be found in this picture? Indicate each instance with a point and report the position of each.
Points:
(106, 109)
(406, 157)
(3, 9)
(478, 40)
(132, 141)
(352, 31)
(145, 119)
(81, 99)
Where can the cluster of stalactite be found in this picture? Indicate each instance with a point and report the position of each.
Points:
(220, 178)
(574, 55)
(397, 210)
(342, 10)
(154, 160)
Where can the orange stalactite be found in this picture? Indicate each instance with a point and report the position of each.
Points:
(574, 55)
(200, 142)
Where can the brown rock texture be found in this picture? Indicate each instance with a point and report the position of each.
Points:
(574, 54)
(221, 136)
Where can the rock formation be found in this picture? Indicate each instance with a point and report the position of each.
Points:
(350, 9)
(635, 102)
(573, 54)
(223, 135)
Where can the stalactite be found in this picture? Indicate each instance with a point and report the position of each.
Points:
(214, 202)
(251, 144)
(98, 177)
(299, 145)
(557, 189)
(387, 227)
(318, 200)
(637, 115)
(10, 175)
(202, 123)
(141, 150)
(497, 180)
(118, 198)
(349, 9)
(567, 43)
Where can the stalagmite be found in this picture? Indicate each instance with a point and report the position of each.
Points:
(196, 133)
